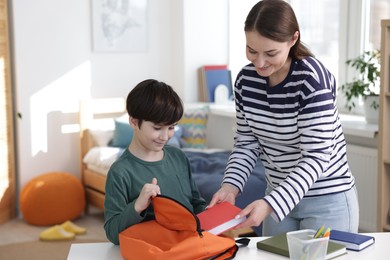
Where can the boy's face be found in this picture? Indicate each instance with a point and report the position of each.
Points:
(153, 137)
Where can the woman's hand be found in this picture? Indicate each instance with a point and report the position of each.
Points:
(256, 212)
(227, 192)
(149, 191)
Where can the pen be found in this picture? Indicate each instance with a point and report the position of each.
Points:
(326, 233)
(319, 232)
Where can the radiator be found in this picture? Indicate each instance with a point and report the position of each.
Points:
(363, 162)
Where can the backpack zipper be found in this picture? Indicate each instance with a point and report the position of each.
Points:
(198, 228)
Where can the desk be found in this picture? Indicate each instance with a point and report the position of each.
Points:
(108, 251)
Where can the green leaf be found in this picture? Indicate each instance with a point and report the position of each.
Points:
(368, 66)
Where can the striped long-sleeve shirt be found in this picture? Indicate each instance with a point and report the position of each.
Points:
(295, 130)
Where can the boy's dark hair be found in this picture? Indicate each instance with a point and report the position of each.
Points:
(154, 101)
(276, 20)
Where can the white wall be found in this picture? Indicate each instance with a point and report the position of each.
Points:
(205, 39)
(54, 67)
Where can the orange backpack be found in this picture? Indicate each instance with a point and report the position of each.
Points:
(174, 234)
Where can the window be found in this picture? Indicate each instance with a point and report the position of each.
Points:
(333, 30)
(320, 29)
(320, 26)
(376, 11)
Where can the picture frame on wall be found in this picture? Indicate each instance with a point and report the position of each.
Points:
(119, 25)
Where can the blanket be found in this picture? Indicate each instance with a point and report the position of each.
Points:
(208, 170)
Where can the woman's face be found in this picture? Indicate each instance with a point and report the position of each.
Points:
(268, 56)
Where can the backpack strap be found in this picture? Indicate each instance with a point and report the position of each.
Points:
(231, 252)
(228, 254)
(243, 241)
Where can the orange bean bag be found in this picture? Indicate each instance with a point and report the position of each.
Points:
(52, 198)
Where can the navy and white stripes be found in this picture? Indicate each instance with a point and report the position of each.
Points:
(294, 128)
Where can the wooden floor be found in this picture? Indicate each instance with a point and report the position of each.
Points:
(17, 230)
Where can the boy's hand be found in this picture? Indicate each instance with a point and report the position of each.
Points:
(149, 191)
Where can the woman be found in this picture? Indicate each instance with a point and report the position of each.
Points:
(287, 116)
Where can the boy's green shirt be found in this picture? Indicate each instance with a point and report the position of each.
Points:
(128, 175)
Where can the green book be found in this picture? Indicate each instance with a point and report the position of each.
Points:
(278, 245)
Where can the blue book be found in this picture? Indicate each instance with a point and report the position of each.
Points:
(214, 76)
(352, 241)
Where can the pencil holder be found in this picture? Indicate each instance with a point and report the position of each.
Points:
(303, 246)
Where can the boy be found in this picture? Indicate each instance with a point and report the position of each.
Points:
(148, 167)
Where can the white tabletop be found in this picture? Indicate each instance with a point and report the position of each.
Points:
(108, 251)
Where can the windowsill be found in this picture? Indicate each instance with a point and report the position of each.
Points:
(227, 110)
(353, 125)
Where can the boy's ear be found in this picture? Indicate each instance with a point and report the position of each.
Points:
(133, 122)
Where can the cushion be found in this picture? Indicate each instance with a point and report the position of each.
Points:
(178, 138)
(52, 198)
(101, 137)
(194, 120)
(123, 133)
(103, 156)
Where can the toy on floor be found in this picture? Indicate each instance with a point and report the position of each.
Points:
(52, 198)
(66, 231)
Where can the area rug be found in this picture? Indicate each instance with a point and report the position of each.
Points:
(42, 250)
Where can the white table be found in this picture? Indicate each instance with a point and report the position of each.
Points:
(108, 251)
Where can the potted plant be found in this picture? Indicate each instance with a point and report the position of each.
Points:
(367, 85)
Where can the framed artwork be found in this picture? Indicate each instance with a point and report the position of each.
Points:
(119, 25)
